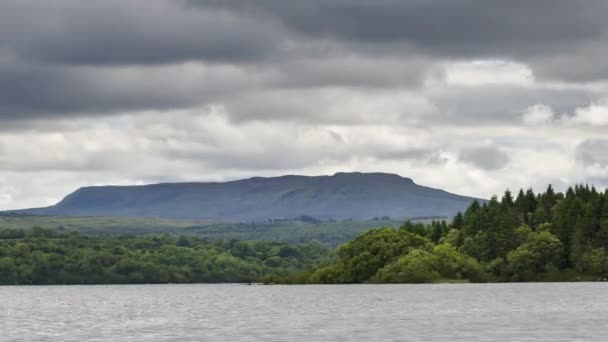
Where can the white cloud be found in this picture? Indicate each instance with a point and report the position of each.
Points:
(197, 145)
(538, 114)
(596, 114)
(203, 144)
(488, 72)
(5, 200)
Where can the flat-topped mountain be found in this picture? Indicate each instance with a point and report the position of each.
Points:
(341, 196)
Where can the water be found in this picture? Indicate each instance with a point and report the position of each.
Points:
(484, 312)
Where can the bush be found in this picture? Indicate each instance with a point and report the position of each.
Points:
(418, 266)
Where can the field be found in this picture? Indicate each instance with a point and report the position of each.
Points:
(105, 224)
(330, 233)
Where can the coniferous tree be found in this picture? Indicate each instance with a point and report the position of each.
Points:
(507, 200)
(472, 219)
(549, 199)
(520, 201)
(579, 243)
(539, 217)
(530, 204)
(507, 221)
(458, 222)
(602, 234)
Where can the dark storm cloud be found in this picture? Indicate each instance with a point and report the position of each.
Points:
(475, 23)
(65, 57)
(28, 91)
(160, 31)
(527, 30)
(353, 71)
(60, 57)
(129, 32)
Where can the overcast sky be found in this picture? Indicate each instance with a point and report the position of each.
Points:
(472, 96)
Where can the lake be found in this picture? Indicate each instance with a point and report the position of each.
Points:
(450, 312)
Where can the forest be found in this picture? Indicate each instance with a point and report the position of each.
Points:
(548, 236)
(529, 237)
(42, 256)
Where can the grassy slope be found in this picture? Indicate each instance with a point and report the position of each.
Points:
(79, 223)
(331, 233)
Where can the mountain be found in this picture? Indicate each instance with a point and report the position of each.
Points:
(341, 196)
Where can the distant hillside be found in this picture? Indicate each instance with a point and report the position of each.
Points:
(341, 196)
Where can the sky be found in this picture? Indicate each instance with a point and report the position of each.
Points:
(472, 96)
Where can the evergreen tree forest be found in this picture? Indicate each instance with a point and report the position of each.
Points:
(527, 237)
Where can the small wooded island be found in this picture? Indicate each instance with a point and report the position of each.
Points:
(546, 237)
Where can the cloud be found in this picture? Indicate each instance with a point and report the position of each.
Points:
(486, 104)
(30, 91)
(452, 29)
(75, 58)
(331, 105)
(493, 94)
(592, 157)
(204, 144)
(593, 152)
(487, 158)
(537, 115)
(203, 137)
(488, 72)
(596, 114)
(348, 69)
(131, 32)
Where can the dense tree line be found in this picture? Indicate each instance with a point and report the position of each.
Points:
(42, 256)
(529, 237)
(386, 255)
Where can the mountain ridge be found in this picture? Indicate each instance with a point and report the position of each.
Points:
(340, 196)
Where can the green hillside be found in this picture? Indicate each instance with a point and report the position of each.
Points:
(329, 233)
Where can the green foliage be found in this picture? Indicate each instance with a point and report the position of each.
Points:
(444, 262)
(532, 237)
(42, 256)
(332, 274)
(417, 266)
(537, 237)
(476, 246)
(454, 265)
(546, 237)
(595, 261)
(540, 253)
(388, 256)
(363, 256)
(332, 233)
(452, 237)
